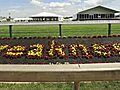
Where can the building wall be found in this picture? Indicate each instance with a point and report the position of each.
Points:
(45, 18)
(95, 14)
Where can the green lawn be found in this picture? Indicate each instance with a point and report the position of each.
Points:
(112, 85)
(67, 30)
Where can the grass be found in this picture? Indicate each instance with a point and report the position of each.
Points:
(53, 30)
(112, 85)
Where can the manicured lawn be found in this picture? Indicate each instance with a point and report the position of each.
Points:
(67, 30)
(112, 85)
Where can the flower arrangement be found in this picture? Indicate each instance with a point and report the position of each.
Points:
(3, 47)
(86, 52)
(116, 48)
(101, 50)
(15, 51)
(69, 49)
(73, 50)
(36, 51)
(55, 50)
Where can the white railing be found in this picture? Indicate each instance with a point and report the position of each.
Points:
(62, 22)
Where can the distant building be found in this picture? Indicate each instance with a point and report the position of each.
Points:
(22, 19)
(97, 13)
(45, 16)
(5, 19)
(1, 18)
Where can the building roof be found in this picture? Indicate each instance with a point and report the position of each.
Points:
(46, 14)
(115, 11)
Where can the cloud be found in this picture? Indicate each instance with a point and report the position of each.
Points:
(51, 4)
(62, 7)
(75, 1)
(67, 7)
(55, 7)
(97, 2)
(59, 4)
(36, 2)
(91, 2)
(13, 10)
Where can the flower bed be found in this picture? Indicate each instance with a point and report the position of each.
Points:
(45, 50)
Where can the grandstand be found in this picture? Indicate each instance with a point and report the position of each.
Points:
(45, 16)
(97, 13)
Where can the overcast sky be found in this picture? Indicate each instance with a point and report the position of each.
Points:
(25, 8)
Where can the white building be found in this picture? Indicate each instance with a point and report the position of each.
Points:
(97, 13)
(22, 19)
(45, 16)
(3, 19)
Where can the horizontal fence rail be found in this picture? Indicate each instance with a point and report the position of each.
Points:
(62, 22)
(60, 73)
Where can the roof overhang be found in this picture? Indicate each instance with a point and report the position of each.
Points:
(46, 14)
(115, 11)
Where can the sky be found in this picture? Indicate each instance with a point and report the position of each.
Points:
(26, 8)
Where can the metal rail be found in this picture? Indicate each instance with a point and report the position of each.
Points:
(62, 22)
